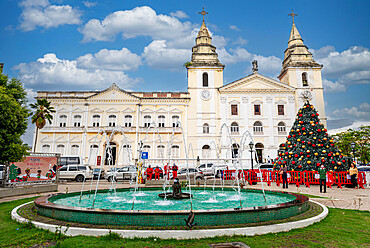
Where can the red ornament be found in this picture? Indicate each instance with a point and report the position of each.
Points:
(303, 128)
(323, 160)
(318, 130)
(293, 162)
(302, 141)
(313, 145)
(289, 136)
(299, 166)
(301, 153)
(317, 114)
(293, 135)
(308, 156)
(296, 155)
(279, 162)
(343, 161)
(286, 153)
(332, 162)
(313, 115)
(309, 143)
(318, 164)
(299, 134)
(300, 115)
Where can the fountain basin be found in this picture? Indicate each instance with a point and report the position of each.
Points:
(294, 204)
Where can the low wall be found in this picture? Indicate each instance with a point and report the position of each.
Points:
(27, 190)
(209, 182)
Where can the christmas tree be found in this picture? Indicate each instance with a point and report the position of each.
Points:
(13, 172)
(308, 144)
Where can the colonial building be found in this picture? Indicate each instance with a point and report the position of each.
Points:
(210, 122)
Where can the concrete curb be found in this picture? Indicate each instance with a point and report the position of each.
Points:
(177, 234)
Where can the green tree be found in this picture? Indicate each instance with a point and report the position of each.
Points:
(42, 114)
(13, 116)
(308, 144)
(360, 137)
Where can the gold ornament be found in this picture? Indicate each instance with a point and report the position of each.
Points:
(323, 151)
(298, 140)
(298, 130)
(337, 154)
(308, 162)
(290, 156)
(303, 146)
(316, 154)
(311, 122)
(289, 142)
(314, 138)
(311, 132)
(335, 167)
(304, 133)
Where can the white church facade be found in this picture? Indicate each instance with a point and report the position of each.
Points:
(208, 123)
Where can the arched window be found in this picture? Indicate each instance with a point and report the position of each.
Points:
(175, 120)
(161, 120)
(205, 128)
(234, 129)
(175, 151)
(281, 127)
(60, 149)
(128, 121)
(63, 121)
(235, 150)
(160, 151)
(77, 120)
(112, 120)
(304, 79)
(147, 120)
(146, 148)
(46, 148)
(206, 151)
(75, 149)
(257, 127)
(96, 120)
(205, 79)
(259, 150)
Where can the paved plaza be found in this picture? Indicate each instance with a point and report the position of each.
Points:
(347, 198)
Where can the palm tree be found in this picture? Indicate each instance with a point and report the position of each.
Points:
(42, 113)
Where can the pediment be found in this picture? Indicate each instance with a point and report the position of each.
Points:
(46, 139)
(113, 93)
(77, 110)
(96, 110)
(161, 110)
(147, 141)
(128, 110)
(176, 140)
(176, 110)
(126, 140)
(112, 110)
(147, 110)
(256, 82)
(63, 110)
(60, 139)
(75, 139)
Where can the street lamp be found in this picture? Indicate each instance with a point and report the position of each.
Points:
(251, 150)
(353, 145)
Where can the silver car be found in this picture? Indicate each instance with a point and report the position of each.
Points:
(193, 173)
(127, 172)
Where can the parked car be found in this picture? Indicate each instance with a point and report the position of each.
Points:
(2, 169)
(207, 169)
(68, 160)
(75, 172)
(193, 173)
(127, 172)
(363, 168)
(96, 172)
(266, 166)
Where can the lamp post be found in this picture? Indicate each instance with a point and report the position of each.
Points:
(251, 150)
(353, 145)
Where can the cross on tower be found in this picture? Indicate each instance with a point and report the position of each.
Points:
(293, 15)
(203, 13)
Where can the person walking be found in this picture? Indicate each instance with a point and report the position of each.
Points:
(174, 170)
(149, 173)
(322, 172)
(284, 173)
(353, 173)
(157, 171)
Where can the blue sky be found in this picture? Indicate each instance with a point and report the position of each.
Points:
(142, 45)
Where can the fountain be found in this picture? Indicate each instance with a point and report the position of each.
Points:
(139, 206)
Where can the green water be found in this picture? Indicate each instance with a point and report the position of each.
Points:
(149, 200)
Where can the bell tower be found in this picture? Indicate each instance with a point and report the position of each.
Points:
(301, 71)
(205, 76)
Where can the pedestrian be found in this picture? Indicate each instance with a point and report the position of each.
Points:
(284, 174)
(157, 171)
(149, 173)
(174, 170)
(322, 172)
(353, 173)
(165, 168)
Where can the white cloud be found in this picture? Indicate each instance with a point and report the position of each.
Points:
(240, 41)
(110, 60)
(89, 4)
(234, 55)
(270, 66)
(179, 14)
(346, 68)
(41, 13)
(362, 112)
(234, 27)
(329, 86)
(141, 21)
(158, 55)
(50, 70)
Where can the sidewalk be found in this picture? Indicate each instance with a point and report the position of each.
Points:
(347, 198)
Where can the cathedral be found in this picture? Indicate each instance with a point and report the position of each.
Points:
(212, 122)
